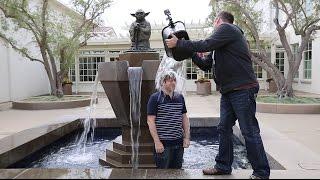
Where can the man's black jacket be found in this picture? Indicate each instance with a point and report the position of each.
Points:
(233, 65)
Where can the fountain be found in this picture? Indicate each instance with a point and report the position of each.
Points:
(115, 81)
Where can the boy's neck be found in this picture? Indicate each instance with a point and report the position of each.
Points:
(169, 93)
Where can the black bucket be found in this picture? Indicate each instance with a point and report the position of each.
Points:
(178, 29)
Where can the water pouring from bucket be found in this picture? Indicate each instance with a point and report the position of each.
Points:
(173, 58)
(169, 64)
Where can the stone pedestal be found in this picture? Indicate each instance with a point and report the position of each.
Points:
(135, 59)
(114, 79)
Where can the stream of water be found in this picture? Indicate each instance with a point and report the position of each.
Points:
(135, 81)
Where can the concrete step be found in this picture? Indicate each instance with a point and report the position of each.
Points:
(104, 161)
(127, 147)
(125, 157)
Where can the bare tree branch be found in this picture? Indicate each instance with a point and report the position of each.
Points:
(307, 25)
(276, 18)
(289, 15)
(23, 22)
(20, 50)
(282, 33)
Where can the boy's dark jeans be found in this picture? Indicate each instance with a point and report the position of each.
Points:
(241, 105)
(170, 158)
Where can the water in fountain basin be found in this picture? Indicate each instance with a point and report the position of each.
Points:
(135, 80)
(89, 123)
(63, 153)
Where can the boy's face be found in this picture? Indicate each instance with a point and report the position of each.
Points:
(170, 84)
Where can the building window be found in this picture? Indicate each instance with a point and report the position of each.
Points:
(295, 48)
(280, 61)
(72, 73)
(88, 67)
(208, 74)
(307, 61)
(205, 74)
(191, 70)
(257, 70)
(90, 52)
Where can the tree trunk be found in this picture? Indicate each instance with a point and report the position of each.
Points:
(47, 67)
(280, 82)
(51, 80)
(59, 88)
(274, 72)
(287, 90)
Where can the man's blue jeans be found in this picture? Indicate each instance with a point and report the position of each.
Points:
(170, 158)
(241, 105)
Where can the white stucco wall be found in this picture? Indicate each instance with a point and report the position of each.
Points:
(4, 75)
(27, 78)
(19, 77)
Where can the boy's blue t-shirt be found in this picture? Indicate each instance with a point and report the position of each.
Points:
(168, 112)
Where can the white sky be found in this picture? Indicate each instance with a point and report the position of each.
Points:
(183, 10)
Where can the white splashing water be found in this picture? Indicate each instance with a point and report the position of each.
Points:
(89, 123)
(135, 81)
(169, 64)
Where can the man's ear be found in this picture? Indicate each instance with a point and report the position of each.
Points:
(134, 15)
(146, 14)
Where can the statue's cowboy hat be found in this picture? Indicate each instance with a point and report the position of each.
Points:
(140, 11)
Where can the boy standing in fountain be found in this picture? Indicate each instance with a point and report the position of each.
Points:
(168, 124)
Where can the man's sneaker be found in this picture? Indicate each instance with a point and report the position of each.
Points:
(254, 177)
(214, 171)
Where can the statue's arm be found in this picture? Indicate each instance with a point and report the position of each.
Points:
(146, 27)
(146, 30)
(131, 31)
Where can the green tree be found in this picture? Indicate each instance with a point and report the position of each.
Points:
(57, 34)
(301, 15)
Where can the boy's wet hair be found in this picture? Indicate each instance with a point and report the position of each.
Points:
(167, 75)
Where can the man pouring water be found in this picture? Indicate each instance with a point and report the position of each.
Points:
(234, 75)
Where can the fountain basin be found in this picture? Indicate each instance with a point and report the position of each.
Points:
(17, 147)
(63, 153)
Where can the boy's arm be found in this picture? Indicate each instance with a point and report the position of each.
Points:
(186, 130)
(153, 131)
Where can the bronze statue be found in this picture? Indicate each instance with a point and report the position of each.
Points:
(140, 32)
